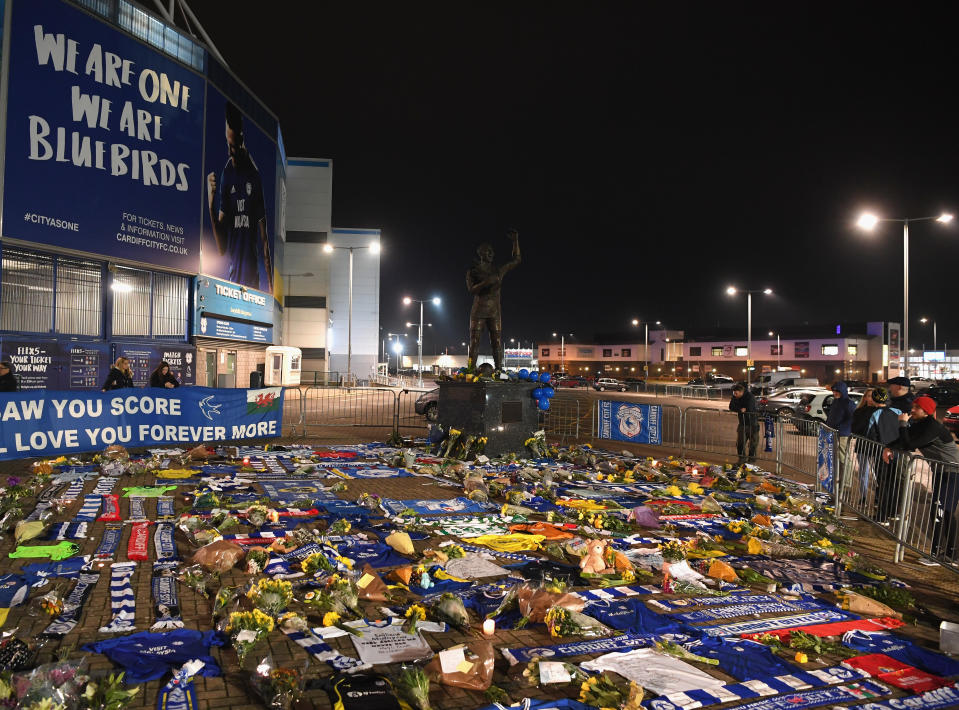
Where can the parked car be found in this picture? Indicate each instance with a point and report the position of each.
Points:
(784, 383)
(571, 381)
(783, 402)
(427, 404)
(720, 381)
(944, 396)
(608, 383)
(768, 380)
(815, 405)
(919, 384)
(951, 420)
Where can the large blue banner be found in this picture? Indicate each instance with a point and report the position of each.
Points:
(625, 421)
(103, 148)
(825, 461)
(47, 423)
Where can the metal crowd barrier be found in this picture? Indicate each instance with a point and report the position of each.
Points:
(562, 419)
(929, 522)
(404, 415)
(292, 411)
(348, 407)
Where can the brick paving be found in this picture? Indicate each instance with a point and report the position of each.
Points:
(935, 588)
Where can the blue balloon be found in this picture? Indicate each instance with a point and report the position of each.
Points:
(544, 377)
(543, 404)
(548, 392)
(538, 393)
(523, 374)
(533, 376)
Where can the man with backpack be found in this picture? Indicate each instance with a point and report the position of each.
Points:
(882, 427)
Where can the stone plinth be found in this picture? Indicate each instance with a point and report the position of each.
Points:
(504, 412)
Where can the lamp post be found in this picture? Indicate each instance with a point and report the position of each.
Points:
(868, 222)
(386, 353)
(934, 343)
(732, 291)
(374, 249)
(419, 341)
(398, 349)
(779, 351)
(645, 348)
(562, 351)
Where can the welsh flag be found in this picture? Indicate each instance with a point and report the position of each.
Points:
(265, 400)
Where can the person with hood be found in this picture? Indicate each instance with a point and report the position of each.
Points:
(883, 428)
(120, 376)
(839, 418)
(744, 404)
(921, 430)
(899, 395)
(162, 377)
(8, 382)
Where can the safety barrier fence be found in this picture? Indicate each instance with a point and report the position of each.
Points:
(911, 498)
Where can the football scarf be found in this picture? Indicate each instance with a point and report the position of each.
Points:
(836, 628)
(122, 599)
(109, 542)
(67, 569)
(810, 698)
(72, 492)
(321, 651)
(137, 509)
(39, 510)
(932, 700)
(13, 592)
(615, 592)
(67, 621)
(50, 493)
(105, 485)
(606, 645)
(90, 508)
(165, 508)
(777, 685)
(889, 670)
(163, 542)
(179, 693)
(518, 556)
(138, 545)
(146, 491)
(731, 612)
(111, 508)
(783, 622)
(687, 602)
(67, 531)
(60, 551)
(166, 604)
(902, 649)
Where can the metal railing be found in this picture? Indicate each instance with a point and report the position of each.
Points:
(292, 411)
(563, 418)
(348, 407)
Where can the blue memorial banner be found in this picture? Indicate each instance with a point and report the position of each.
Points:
(103, 140)
(625, 421)
(825, 461)
(48, 423)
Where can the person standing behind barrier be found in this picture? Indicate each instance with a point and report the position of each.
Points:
(883, 428)
(921, 430)
(744, 404)
(8, 382)
(860, 423)
(899, 395)
(162, 377)
(120, 377)
(840, 419)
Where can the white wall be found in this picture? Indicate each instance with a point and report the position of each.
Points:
(366, 300)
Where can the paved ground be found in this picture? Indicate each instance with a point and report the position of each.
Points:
(934, 587)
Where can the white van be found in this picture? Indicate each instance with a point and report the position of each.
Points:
(782, 378)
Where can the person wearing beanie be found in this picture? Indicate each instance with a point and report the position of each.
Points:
(921, 430)
(883, 428)
(899, 395)
(8, 382)
(839, 417)
(747, 432)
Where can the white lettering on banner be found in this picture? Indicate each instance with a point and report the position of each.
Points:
(145, 405)
(249, 431)
(28, 409)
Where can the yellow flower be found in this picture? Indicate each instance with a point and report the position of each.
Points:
(416, 612)
(825, 542)
(674, 491)
(345, 561)
(695, 488)
(599, 477)
(801, 657)
(754, 547)
(330, 618)
(502, 511)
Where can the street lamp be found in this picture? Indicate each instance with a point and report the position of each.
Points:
(732, 291)
(562, 351)
(779, 351)
(328, 248)
(645, 348)
(419, 341)
(868, 222)
(387, 355)
(934, 343)
(398, 349)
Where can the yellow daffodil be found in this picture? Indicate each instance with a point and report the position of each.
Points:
(695, 488)
(330, 618)
(825, 542)
(674, 491)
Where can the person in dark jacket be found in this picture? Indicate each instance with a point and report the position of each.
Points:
(921, 430)
(839, 418)
(747, 432)
(883, 428)
(162, 377)
(120, 376)
(8, 382)
(899, 395)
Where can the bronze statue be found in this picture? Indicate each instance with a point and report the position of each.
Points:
(484, 281)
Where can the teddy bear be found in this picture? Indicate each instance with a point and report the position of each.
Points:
(594, 561)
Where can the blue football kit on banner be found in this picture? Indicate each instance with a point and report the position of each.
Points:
(632, 615)
(902, 649)
(149, 656)
(740, 658)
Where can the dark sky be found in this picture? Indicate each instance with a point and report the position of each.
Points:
(648, 155)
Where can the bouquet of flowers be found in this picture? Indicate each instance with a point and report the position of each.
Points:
(413, 686)
(565, 622)
(537, 444)
(53, 685)
(222, 520)
(271, 595)
(414, 615)
(207, 499)
(198, 579)
(677, 651)
(311, 564)
(455, 552)
(371, 501)
(223, 599)
(673, 550)
(531, 675)
(535, 602)
(256, 559)
(108, 693)
(246, 628)
(291, 621)
(52, 603)
(332, 618)
(338, 487)
(278, 687)
(258, 514)
(452, 437)
(602, 692)
(340, 527)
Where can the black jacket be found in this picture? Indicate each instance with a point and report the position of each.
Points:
(860, 419)
(8, 383)
(932, 439)
(747, 402)
(903, 403)
(117, 380)
(158, 380)
(883, 426)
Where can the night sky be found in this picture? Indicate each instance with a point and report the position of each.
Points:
(648, 157)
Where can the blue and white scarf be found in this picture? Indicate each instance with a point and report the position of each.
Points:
(123, 601)
(67, 531)
(137, 510)
(90, 508)
(164, 542)
(165, 508)
(112, 532)
(67, 621)
(758, 626)
(105, 485)
(805, 699)
(322, 651)
(166, 604)
(578, 648)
